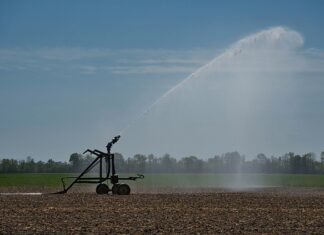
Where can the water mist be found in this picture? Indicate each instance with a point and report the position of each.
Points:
(246, 99)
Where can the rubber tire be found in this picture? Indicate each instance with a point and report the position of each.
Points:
(102, 189)
(114, 189)
(123, 189)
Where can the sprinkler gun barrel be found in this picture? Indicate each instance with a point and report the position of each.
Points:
(113, 141)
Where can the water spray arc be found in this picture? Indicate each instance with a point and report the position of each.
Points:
(275, 37)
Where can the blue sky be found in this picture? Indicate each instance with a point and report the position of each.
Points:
(74, 73)
(148, 24)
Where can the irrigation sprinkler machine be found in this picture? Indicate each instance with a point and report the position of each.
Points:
(106, 163)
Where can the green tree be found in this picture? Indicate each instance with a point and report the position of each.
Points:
(140, 162)
(76, 161)
(120, 163)
(233, 161)
(168, 163)
(215, 164)
(192, 164)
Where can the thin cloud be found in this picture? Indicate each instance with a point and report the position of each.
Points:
(314, 52)
(90, 61)
(89, 69)
(175, 61)
(155, 69)
(127, 61)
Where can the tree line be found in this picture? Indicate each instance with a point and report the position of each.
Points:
(231, 162)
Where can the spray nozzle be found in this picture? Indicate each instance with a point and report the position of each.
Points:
(115, 139)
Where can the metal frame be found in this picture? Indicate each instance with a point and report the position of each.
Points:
(109, 159)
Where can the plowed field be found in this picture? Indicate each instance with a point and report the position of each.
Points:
(275, 211)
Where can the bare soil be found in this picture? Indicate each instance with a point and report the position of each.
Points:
(258, 211)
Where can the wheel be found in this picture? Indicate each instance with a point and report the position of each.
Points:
(102, 189)
(123, 189)
(114, 188)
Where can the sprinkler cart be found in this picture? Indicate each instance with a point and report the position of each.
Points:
(110, 173)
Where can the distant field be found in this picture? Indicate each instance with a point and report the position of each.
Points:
(178, 180)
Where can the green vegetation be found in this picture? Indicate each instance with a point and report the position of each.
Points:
(231, 162)
(234, 180)
(31, 179)
(177, 180)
